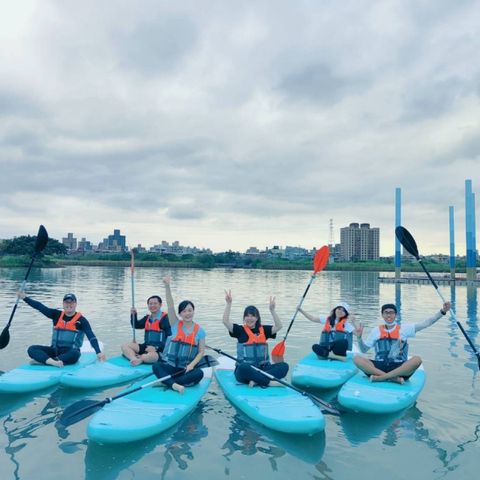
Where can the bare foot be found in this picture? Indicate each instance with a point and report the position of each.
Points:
(399, 380)
(378, 378)
(178, 388)
(251, 384)
(136, 361)
(54, 363)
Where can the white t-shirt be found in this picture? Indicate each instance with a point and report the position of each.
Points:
(349, 328)
(407, 330)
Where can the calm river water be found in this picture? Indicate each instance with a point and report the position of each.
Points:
(437, 438)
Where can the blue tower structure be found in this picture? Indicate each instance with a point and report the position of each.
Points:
(471, 254)
(452, 241)
(398, 222)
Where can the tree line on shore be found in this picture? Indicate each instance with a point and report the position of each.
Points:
(17, 252)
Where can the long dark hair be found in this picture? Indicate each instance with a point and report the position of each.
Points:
(331, 318)
(252, 310)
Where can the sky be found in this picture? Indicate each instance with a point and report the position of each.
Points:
(226, 125)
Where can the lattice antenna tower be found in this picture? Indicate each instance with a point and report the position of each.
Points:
(331, 238)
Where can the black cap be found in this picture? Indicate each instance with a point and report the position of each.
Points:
(389, 306)
(69, 297)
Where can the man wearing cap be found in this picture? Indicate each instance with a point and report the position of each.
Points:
(389, 340)
(337, 333)
(69, 329)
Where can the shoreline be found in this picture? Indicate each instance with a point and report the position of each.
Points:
(339, 267)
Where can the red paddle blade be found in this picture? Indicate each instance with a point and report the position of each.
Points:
(321, 259)
(279, 349)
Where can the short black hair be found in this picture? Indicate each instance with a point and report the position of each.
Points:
(155, 296)
(389, 306)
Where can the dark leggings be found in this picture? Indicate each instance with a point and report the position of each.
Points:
(338, 347)
(244, 373)
(41, 354)
(162, 369)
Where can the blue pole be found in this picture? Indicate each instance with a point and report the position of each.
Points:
(469, 230)
(452, 241)
(398, 222)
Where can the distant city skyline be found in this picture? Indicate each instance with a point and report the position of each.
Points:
(227, 128)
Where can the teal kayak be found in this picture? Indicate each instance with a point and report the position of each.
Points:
(104, 374)
(29, 378)
(312, 372)
(277, 407)
(146, 412)
(362, 395)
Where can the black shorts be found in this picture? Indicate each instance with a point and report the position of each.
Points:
(389, 366)
(142, 348)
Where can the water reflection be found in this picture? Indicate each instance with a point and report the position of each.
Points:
(249, 438)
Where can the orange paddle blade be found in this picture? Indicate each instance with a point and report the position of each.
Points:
(321, 259)
(279, 349)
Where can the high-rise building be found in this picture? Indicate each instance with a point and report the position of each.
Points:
(70, 242)
(117, 242)
(359, 242)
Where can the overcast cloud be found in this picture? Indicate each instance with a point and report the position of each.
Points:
(232, 124)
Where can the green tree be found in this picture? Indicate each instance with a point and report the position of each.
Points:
(25, 245)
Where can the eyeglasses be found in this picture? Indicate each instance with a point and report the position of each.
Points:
(389, 312)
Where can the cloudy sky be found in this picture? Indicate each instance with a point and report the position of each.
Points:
(231, 124)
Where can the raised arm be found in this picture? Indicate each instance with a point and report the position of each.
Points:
(170, 303)
(430, 321)
(226, 313)
(311, 317)
(361, 344)
(276, 319)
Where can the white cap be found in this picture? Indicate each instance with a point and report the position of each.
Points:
(344, 305)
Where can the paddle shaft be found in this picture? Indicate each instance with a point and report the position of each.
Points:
(452, 313)
(22, 286)
(299, 305)
(326, 406)
(132, 278)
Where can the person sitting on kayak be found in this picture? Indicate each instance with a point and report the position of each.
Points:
(252, 348)
(157, 329)
(184, 348)
(337, 333)
(69, 329)
(391, 348)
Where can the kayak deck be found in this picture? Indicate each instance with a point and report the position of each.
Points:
(277, 407)
(312, 372)
(104, 374)
(29, 378)
(362, 395)
(145, 413)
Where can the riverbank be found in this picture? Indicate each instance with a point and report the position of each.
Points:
(211, 261)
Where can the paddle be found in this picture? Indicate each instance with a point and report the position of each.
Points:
(319, 262)
(84, 408)
(406, 239)
(325, 406)
(40, 243)
(132, 277)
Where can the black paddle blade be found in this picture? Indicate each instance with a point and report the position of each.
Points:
(4, 337)
(408, 242)
(207, 361)
(79, 410)
(42, 239)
